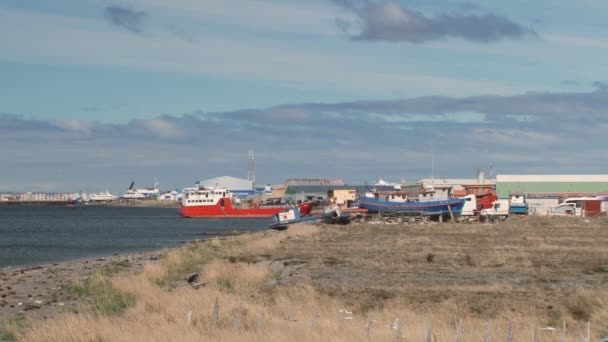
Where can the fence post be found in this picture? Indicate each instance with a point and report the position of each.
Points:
(399, 330)
(511, 332)
(313, 322)
(239, 315)
(261, 319)
(290, 313)
(562, 338)
(189, 317)
(369, 329)
(429, 334)
(216, 314)
(459, 331)
(534, 337)
(588, 334)
(486, 335)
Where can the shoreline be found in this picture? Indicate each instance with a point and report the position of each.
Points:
(45, 290)
(126, 204)
(479, 273)
(42, 291)
(196, 237)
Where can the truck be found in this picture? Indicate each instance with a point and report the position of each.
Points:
(586, 206)
(498, 212)
(518, 204)
(474, 204)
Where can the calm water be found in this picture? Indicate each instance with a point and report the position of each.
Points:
(46, 234)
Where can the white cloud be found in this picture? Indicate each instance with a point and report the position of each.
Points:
(73, 125)
(53, 39)
(303, 17)
(578, 41)
(157, 127)
(452, 117)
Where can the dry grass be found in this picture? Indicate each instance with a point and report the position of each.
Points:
(292, 285)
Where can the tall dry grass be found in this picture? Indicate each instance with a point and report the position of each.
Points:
(242, 301)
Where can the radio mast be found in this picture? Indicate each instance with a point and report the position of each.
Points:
(251, 166)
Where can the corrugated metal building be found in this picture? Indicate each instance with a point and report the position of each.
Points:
(551, 185)
(306, 187)
(456, 184)
(237, 186)
(305, 192)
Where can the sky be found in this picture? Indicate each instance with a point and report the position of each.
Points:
(95, 94)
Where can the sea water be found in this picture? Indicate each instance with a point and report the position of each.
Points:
(32, 235)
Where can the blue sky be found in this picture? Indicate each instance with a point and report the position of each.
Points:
(96, 93)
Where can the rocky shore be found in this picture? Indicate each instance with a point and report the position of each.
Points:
(46, 290)
(43, 291)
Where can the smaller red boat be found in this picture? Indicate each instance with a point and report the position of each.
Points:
(219, 203)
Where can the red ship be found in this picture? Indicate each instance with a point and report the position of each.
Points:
(219, 203)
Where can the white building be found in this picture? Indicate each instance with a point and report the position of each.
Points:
(237, 186)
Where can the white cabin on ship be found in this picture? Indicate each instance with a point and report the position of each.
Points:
(201, 196)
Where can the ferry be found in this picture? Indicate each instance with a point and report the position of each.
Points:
(212, 202)
(102, 197)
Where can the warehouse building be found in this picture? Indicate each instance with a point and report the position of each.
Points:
(557, 186)
(313, 189)
(238, 186)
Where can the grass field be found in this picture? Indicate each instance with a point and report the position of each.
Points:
(358, 283)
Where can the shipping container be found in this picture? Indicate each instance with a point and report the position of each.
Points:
(592, 208)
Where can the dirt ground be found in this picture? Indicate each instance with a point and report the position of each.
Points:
(547, 267)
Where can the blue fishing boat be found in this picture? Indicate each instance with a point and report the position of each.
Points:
(437, 201)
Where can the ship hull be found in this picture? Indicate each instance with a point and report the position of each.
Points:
(227, 211)
(429, 207)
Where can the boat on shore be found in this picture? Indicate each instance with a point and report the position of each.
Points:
(436, 201)
(201, 202)
(104, 196)
(330, 215)
(141, 194)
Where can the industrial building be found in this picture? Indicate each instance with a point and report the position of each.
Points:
(342, 196)
(238, 186)
(559, 186)
(306, 188)
(460, 186)
(310, 189)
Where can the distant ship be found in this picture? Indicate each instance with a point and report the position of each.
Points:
(140, 194)
(211, 202)
(102, 197)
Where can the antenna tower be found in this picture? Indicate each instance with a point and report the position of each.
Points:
(251, 166)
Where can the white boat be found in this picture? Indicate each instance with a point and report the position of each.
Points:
(104, 196)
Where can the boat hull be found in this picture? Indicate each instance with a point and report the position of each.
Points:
(428, 207)
(227, 211)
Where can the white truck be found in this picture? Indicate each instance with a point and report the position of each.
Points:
(498, 212)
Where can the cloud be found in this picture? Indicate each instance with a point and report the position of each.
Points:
(125, 17)
(161, 127)
(388, 21)
(73, 125)
(356, 141)
(600, 86)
